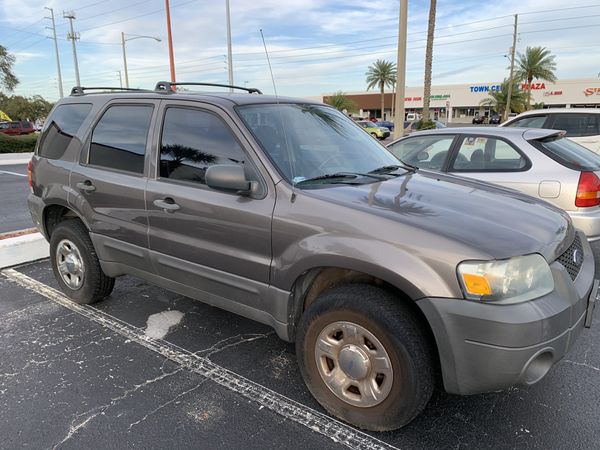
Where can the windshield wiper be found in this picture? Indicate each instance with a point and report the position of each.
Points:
(388, 169)
(341, 176)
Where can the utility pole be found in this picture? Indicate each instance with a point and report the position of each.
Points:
(124, 60)
(60, 85)
(120, 79)
(512, 69)
(229, 58)
(401, 70)
(72, 36)
(170, 39)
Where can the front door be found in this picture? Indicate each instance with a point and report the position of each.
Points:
(216, 242)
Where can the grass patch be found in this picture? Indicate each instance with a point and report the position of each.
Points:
(17, 144)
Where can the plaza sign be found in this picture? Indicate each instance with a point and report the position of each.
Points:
(533, 86)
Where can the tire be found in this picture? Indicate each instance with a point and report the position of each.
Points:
(395, 328)
(90, 285)
(374, 135)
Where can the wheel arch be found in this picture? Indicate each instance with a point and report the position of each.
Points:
(55, 213)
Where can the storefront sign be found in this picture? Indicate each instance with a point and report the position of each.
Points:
(489, 88)
(592, 91)
(533, 86)
(413, 99)
(549, 93)
(440, 97)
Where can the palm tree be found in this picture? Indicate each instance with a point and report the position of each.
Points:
(7, 77)
(381, 73)
(536, 63)
(497, 99)
(428, 61)
(341, 102)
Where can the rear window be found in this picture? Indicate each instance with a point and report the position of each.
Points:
(62, 125)
(568, 153)
(577, 125)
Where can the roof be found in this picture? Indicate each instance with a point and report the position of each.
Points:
(510, 132)
(559, 110)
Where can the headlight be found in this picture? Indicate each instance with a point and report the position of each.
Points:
(512, 280)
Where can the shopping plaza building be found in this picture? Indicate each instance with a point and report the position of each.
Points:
(460, 102)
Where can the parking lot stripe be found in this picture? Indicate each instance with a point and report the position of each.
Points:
(12, 173)
(278, 403)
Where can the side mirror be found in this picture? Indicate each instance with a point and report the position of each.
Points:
(230, 177)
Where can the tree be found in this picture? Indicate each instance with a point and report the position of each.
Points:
(381, 74)
(537, 63)
(497, 99)
(341, 101)
(429, 61)
(7, 77)
(24, 108)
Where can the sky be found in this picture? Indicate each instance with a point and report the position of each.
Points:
(315, 46)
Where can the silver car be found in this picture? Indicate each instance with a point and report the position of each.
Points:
(540, 163)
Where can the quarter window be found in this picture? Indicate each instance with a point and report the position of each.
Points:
(61, 127)
(119, 139)
(193, 140)
(425, 152)
(481, 154)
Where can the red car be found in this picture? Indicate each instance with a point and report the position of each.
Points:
(16, 128)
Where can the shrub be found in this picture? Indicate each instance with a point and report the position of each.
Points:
(17, 144)
(425, 125)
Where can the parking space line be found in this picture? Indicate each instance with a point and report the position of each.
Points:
(12, 173)
(278, 403)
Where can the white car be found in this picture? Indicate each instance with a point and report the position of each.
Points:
(540, 163)
(581, 124)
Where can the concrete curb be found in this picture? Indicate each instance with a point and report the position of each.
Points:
(14, 158)
(23, 249)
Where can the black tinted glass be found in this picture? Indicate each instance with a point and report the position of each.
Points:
(568, 153)
(577, 124)
(193, 140)
(60, 128)
(119, 139)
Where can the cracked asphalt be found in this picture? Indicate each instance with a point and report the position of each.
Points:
(89, 379)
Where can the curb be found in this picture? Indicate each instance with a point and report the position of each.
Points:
(14, 158)
(22, 249)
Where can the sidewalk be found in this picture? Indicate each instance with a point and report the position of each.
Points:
(14, 158)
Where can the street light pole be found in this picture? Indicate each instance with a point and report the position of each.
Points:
(401, 70)
(123, 40)
(229, 57)
(170, 39)
(60, 84)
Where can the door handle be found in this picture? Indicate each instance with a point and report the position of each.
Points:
(168, 204)
(86, 186)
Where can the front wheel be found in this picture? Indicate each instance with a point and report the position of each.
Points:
(365, 357)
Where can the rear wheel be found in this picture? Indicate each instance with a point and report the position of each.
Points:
(75, 264)
(374, 135)
(365, 358)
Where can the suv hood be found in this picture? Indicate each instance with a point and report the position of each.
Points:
(498, 221)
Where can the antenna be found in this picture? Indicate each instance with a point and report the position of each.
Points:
(269, 61)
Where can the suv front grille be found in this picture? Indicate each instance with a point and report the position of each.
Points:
(572, 258)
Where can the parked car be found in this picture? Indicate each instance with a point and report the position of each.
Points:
(16, 128)
(285, 212)
(411, 127)
(411, 116)
(479, 120)
(373, 129)
(581, 124)
(495, 119)
(385, 124)
(540, 163)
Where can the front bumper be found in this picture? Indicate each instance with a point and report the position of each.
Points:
(587, 221)
(487, 347)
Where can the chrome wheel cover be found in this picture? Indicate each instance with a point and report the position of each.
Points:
(70, 264)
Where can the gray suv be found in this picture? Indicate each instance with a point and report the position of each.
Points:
(284, 211)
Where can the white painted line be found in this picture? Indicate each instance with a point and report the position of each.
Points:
(22, 249)
(279, 404)
(14, 158)
(12, 173)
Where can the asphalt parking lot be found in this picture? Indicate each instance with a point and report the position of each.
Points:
(14, 214)
(91, 377)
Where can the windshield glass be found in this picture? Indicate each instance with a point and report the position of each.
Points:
(3, 125)
(568, 153)
(308, 141)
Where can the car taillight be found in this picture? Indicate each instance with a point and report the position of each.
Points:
(588, 190)
(30, 173)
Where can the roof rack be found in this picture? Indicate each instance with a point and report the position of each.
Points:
(168, 86)
(80, 90)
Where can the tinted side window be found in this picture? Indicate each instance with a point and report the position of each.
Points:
(193, 140)
(486, 154)
(568, 153)
(577, 125)
(119, 139)
(529, 122)
(426, 152)
(61, 126)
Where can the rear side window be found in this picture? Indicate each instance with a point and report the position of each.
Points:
(529, 122)
(577, 125)
(119, 139)
(568, 153)
(62, 125)
(488, 154)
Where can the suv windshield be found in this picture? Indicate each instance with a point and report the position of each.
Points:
(568, 153)
(310, 141)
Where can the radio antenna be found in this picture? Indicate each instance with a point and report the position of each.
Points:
(269, 61)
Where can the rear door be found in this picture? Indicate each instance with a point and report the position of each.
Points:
(217, 242)
(108, 185)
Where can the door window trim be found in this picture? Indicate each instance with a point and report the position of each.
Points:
(452, 157)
